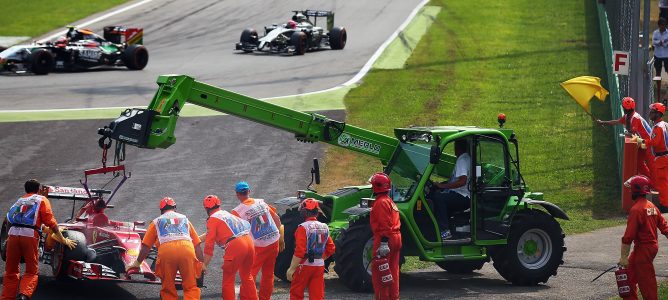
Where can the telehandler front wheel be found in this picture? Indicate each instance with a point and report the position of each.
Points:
(534, 251)
(353, 256)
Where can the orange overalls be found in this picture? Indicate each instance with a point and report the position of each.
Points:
(644, 219)
(28, 213)
(311, 237)
(231, 233)
(385, 225)
(659, 147)
(264, 224)
(176, 240)
(636, 124)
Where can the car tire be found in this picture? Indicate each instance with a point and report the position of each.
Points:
(353, 256)
(298, 40)
(249, 36)
(62, 255)
(290, 220)
(337, 38)
(135, 57)
(534, 251)
(41, 62)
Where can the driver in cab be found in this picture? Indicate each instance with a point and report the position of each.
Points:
(454, 194)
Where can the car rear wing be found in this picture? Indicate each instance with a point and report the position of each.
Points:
(318, 14)
(68, 193)
(122, 34)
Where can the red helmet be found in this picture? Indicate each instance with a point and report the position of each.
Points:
(291, 24)
(639, 184)
(167, 201)
(61, 41)
(628, 103)
(658, 107)
(309, 204)
(380, 182)
(211, 201)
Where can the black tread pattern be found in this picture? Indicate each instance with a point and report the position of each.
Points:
(349, 264)
(505, 257)
(290, 220)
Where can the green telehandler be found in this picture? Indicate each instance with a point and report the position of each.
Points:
(506, 222)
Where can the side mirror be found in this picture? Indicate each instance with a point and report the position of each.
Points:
(434, 155)
(478, 171)
(316, 171)
(139, 223)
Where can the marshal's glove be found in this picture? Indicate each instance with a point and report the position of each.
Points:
(134, 265)
(281, 239)
(293, 267)
(637, 139)
(58, 236)
(383, 249)
(624, 255)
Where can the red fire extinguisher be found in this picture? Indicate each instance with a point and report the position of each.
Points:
(382, 265)
(623, 286)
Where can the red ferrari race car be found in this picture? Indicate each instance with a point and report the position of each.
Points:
(104, 247)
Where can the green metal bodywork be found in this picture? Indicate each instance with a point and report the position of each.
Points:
(406, 157)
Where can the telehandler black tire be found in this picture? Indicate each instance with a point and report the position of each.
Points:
(461, 266)
(353, 257)
(4, 235)
(534, 251)
(290, 220)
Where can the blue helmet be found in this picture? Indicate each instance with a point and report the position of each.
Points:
(241, 187)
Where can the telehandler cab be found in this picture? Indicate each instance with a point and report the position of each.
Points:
(506, 222)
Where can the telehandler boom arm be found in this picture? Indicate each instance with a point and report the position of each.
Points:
(154, 127)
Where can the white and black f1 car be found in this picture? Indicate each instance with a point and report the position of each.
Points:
(298, 35)
(80, 49)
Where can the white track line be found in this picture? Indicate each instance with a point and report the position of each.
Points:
(362, 72)
(98, 19)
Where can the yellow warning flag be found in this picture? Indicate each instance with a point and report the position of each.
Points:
(583, 88)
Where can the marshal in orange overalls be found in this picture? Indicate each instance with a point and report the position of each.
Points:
(311, 237)
(176, 239)
(27, 214)
(385, 225)
(265, 231)
(641, 229)
(659, 146)
(635, 124)
(231, 233)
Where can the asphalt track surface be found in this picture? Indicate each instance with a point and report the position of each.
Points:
(212, 153)
(197, 38)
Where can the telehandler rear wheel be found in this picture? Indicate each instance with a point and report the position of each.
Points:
(534, 251)
(290, 220)
(353, 256)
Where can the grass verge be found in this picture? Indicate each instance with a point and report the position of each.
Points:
(35, 17)
(506, 56)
